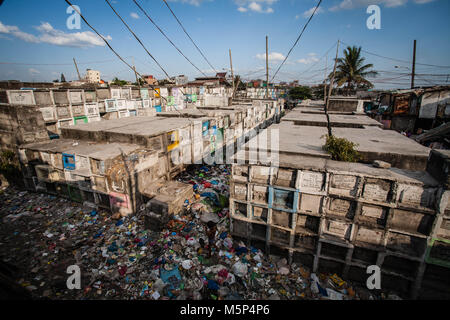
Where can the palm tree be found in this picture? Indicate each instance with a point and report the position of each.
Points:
(352, 71)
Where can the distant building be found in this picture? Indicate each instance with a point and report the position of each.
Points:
(150, 80)
(92, 76)
(181, 80)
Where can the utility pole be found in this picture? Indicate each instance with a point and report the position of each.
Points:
(267, 67)
(330, 90)
(135, 74)
(232, 73)
(325, 81)
(76, 67)
(413, 65)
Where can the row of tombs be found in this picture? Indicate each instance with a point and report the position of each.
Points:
(332, 219)
(61, 108)
(120, 164)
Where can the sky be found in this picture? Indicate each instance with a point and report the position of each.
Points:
(38, 45)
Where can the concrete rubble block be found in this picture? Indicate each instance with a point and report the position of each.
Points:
(381, 164)
(170, 198)
(154, 221)
(377, 190)
(345, 185)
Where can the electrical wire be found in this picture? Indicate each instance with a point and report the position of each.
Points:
(107, 43)
(399, 60)
(168, 39)
(298, 38)
(182, 27)
(137, 38)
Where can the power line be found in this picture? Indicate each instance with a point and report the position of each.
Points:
(182, 27)
(168, 39)
(399, 60)
(137, 38)
(326, 53)
(56, 64)
(295, 43)
(107, 43)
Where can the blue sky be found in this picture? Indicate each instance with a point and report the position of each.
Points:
(34, 36)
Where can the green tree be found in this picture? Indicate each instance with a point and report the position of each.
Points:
(300, 93)
(116, 81)
(141, 82)
(63, 79)
(352, 71)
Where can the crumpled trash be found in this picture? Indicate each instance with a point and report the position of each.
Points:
(187, 264)
(240, 269)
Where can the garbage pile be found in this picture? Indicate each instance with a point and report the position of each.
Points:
(194, 257)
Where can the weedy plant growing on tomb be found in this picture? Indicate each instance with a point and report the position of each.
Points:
(341, 149)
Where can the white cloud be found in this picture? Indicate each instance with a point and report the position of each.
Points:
(312, 57)
(134, 15)
(258, 6)
(33, 71)
(351, 4)
(273, 56)
(191, 2)
(309, 12)
(56, 37)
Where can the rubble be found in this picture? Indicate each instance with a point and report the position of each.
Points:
(122, 259)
